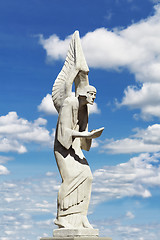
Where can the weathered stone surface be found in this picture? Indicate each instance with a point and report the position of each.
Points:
(76, 238)
(64, 232)
(72, 136)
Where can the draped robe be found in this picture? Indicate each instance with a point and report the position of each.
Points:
(75, 190)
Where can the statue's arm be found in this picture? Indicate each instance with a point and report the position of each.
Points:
(83, 134)
(89, 135)
(64, 130)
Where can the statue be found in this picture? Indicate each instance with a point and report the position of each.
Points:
(72, 136)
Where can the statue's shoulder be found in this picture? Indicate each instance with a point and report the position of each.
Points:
(72, 101)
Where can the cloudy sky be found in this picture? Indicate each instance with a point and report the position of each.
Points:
(121, 42)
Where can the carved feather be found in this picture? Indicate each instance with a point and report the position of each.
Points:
(75, 62)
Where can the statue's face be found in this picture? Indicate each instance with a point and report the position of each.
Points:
(90, 97)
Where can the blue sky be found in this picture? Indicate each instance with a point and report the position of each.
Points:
(121, 42)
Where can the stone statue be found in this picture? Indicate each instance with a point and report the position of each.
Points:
(72, 136)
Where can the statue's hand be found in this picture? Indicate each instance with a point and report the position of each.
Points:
(96, 133)
(93, 134)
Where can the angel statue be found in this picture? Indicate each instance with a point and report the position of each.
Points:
(72, 136)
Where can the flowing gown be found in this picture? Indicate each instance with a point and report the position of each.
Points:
(75, 190)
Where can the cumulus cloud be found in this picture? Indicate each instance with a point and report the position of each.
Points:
(136, 48)
(133, 178)
(47, 106)
(11, 145)
(144, 140)
(3, 170)
(93, 108)
(15, 131)
(129, 145)
(147, 98)
(56, 49)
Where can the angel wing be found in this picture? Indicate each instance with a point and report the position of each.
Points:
(75, 62)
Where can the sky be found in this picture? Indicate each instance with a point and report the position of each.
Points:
(121, 43)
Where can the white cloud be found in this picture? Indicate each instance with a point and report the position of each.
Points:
(15, 131)
(136, 47)
(147, 98)
(47, 106)
(3, 170)
(94, 143)
(93, 108)
(144, 140)
(133, 178)
(4, 159)
(7, 145)
(49, 174)
(55, 48)
(130, 215)
(129, 145)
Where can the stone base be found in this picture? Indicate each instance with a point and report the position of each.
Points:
(77, 232)
(76, 238)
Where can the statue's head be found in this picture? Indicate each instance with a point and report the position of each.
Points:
(89, 92)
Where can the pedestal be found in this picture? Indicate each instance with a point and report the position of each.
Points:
(75, 234)
(76, 238)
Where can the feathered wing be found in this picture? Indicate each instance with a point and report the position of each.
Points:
(75, 62)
